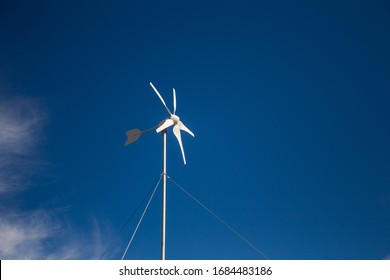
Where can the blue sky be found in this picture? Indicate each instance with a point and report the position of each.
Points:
(289, 102)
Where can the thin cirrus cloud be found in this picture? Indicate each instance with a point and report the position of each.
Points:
(37, 233)
(21, 122)
(40, 234)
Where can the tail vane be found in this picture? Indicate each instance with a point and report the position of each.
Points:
(132, 136)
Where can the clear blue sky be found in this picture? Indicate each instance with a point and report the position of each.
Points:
(289, 102)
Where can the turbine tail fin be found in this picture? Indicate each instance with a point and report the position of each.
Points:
(132, 136)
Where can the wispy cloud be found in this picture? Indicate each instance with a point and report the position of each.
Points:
(21, 122)
(39, 233)
(24, 235)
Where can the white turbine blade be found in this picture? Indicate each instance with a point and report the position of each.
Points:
(174, 101)
(176, 131)
(162, 100)
(165, 124)
(183, 127)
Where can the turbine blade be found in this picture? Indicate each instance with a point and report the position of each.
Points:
(174, 101)
(165, 124)
(162, 100)
(183, 127)
(132, 135)
(176, 131)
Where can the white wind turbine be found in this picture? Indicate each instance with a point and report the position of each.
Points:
(173, 120)
(134, 134)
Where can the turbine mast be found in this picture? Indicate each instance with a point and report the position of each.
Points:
(164, 192)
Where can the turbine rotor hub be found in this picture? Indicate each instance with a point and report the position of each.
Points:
(175, 119)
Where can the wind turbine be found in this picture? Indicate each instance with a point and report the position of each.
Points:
(134, 134)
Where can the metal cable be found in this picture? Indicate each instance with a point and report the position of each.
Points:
(140, 220)
(218, 218)
(129, 219)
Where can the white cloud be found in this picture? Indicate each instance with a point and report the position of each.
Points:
(39, 233)
(21, 121)
(22, 235)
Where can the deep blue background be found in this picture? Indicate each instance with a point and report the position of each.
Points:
(289, 102)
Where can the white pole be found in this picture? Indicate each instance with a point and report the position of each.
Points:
(164, 194)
